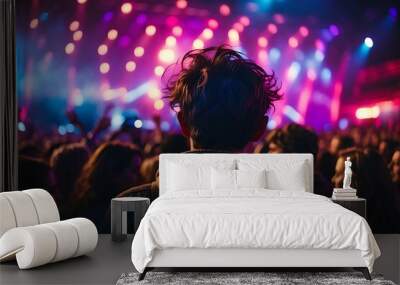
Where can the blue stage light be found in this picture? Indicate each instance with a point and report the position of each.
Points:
(21, 127)
(274, 54)
(368, 42)
(293, 70)
(343, 123)
(326, 75)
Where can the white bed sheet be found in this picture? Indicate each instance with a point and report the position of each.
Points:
(251, 218)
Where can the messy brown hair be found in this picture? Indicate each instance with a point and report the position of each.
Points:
(222, 97)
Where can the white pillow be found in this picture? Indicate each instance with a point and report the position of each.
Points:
(251, 178)
(183, 177)
(291, 180)
(223, 179)
(280, 175)
(236, 179)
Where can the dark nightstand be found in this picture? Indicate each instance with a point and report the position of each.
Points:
(358, 205)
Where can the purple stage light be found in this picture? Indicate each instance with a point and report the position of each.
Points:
(393, 12)
(326, 35)
(141, 19)
(343, 124)
(107, 17)
(334, 30)
(124, 41)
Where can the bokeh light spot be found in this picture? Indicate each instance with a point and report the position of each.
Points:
(272, 28)
(233, 36)
(198, 44)
(293, 42)
(177, 31)
(212, 23)
(102, 49)
(170, 41)
(77, 36)
(303, 31)
(159, 104)
(34, 23)
(224, 10)
(126, 8)
(104, 68)
(138, 51)
(130, 66)
(150, 30)
(74, 26)
(159, 70)
(262, 42)
(207, 33)
(181, 4)
(166, 55)
(69, 48)
(112, 34)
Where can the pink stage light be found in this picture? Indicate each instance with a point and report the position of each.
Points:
(293, 42)
(233, 36)
(181, 4)
(69, 48)
(279, 18)
(112, 34)
(104, 68)
(207, 33)
(262, 42)
(224, 10)
(170, 41)
(245, 21)
(130, 66)
(159, 104)
(198, 44)
(138, 51)
(303, 31)
(74, 26)
(311, 74)
(154, 92)
(102, 49)
(368, 112)
(126, 8)
(77, 36)
(272, 28)
(262, 56)
(81, 1)
(166, 55)
(151, 30)
(171, 21)
(159, 70)
(212, 23)
(238, 27)
(319, 44)
(177, 31)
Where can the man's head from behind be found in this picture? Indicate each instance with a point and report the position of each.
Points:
(222, 98)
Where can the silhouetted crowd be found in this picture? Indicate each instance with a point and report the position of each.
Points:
(84, 172)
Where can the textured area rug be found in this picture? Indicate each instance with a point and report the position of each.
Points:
(230, 278)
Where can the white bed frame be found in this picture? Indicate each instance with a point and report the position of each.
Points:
(246, 257)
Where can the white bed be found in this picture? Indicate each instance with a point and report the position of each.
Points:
(272, 226)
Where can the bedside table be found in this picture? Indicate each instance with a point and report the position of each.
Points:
(119, 209)
(358, 206)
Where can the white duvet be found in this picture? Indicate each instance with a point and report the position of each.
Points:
(252, 218)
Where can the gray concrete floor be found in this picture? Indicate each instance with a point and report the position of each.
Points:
(106, 264)
(103, 266)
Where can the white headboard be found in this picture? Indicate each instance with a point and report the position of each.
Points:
(266, 160)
